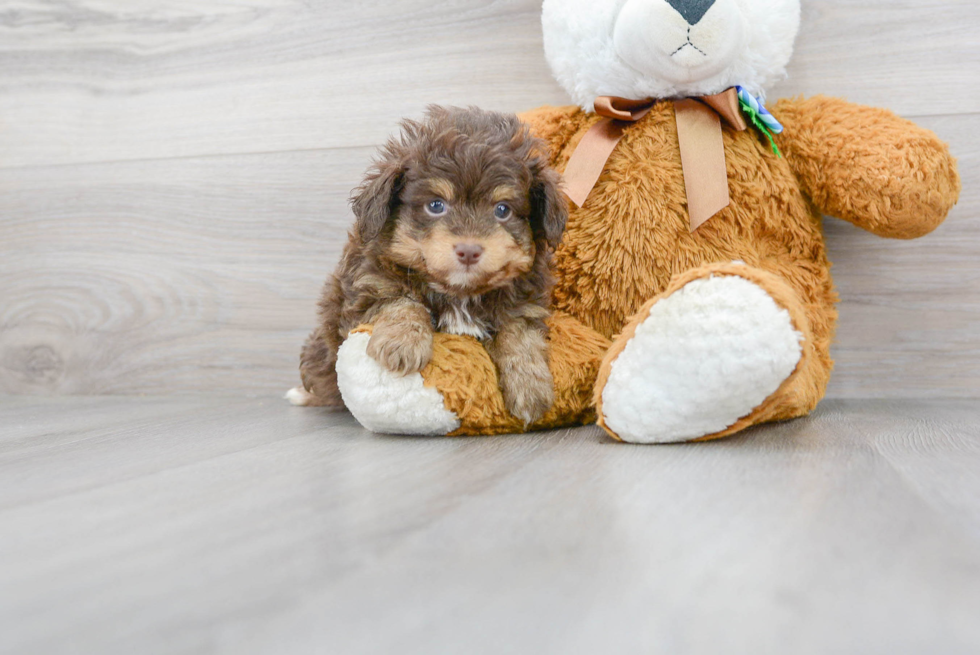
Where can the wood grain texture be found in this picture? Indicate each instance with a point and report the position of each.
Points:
(100, 80)
(202, 274)
(229, 526)
(167, 275)
(174, 177)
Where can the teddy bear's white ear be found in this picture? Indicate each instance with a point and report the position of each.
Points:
(667, 48)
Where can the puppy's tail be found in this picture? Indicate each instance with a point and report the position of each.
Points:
(300, 397)
(318, 370)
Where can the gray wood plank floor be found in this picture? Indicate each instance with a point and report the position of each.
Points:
(213, 525)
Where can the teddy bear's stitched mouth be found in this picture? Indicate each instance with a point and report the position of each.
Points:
(688, 43)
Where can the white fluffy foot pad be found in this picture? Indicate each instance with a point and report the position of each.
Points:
(387, 403)
(705, 357)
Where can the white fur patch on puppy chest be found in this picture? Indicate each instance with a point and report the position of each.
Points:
(457, 319)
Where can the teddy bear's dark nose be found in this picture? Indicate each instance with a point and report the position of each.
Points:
(692, 10)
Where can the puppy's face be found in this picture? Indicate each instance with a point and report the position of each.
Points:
(473, 204)
(467, 236)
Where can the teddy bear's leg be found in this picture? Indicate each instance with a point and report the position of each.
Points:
(457, 393)
(726, 346)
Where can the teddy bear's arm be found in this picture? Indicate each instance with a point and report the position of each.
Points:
(868, 166)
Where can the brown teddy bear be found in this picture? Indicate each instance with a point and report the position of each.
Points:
(694, 296)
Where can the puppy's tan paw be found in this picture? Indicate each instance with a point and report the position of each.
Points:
(528, 394)
(402, 349)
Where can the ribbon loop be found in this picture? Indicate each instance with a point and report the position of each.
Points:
(727, 106)
(622, 109)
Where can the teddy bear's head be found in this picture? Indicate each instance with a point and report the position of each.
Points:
(640, 49)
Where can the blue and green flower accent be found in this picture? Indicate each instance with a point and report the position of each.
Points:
(759, 116)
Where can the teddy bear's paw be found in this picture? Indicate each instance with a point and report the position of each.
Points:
(702, 358)
(387, 402)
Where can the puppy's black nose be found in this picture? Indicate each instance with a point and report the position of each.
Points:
(692, 10)
(468, 253)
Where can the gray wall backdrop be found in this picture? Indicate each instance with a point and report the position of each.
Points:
(174, 176)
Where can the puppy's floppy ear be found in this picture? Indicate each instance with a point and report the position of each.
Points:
(376, 199)
(549, 208)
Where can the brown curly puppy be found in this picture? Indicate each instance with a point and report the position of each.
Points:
(455, 228)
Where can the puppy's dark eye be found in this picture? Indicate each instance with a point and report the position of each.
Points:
(502, 211)
(436, 207)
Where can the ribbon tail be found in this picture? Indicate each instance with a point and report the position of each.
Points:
(589, 159)
(703, 160)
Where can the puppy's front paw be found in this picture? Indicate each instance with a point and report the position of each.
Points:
(528, 393)
(402, 349)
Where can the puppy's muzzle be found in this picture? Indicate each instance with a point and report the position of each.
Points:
(468, 254)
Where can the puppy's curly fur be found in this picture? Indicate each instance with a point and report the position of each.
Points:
(455, 228)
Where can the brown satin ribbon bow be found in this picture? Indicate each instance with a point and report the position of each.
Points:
(698, 133)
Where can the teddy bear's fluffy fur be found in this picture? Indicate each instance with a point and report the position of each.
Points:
(660, 333)
(771, 225)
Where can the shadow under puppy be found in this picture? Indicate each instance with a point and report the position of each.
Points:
(455, 226)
